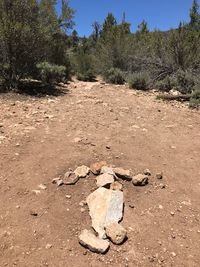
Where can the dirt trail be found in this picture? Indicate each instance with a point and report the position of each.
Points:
(38, 143)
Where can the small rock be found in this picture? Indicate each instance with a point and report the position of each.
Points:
(140, 180)
(159, 175)
(123, 174)
(93, 243)
(172, 213)
(77, 140)
(96, 167)
(57, 181)
(70, 178)
(37, 192)
(116, 233)
(162, 186)
(68, 196)
(173, 254)
(82, 210)
(83, 203)
(104, 179)
(42, 187)
(116, 186)
(82, 171)
(108, 170)
(33, 213)
(48, 246)
(147, 172)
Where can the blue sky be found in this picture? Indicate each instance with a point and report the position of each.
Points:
(162, 14)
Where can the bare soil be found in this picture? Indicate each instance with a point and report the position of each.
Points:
(129, 129)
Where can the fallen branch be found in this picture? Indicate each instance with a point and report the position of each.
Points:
(174, 97)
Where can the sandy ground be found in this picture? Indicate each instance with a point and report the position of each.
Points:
(126, 128)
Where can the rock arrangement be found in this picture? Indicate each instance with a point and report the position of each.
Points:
(106, 203)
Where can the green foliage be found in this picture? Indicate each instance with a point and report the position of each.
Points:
(165, 85)
(143, 27)
(86, 76)
(114, 76)
(138, 81)
(194, 16)
(31, 32)
(195, 98)
(18, 51)
(184, 81)
(51, 73)
(83, 66)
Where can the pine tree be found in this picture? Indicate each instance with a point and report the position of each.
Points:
(108, 25)
(195, 16)
(143, 27)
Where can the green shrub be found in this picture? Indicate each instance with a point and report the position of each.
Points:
(195, 98)
(165, 85)
(114, 76)
(184, 81)
(138, 81)
(83, 66)
(50, 73)
(87, 76)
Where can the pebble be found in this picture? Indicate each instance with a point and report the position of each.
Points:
(140, 180)
(48, 246)
(159, 175)
(116, 233)
(42, 187)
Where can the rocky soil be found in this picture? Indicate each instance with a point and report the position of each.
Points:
(43, 138)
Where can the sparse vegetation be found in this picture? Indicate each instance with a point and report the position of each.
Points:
(145, 59)
(195, 98)
(114, 76)
(138, 81)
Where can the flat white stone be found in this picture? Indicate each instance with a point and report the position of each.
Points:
(106, 207)
(104, 179)
(94, 243)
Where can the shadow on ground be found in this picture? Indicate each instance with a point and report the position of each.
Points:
(37, 89)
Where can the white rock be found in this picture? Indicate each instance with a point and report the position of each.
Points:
(82, 171)
(94, 243)
(104, 179)
(106, 207)
(42, 187)
(107, 170)
(57, 181)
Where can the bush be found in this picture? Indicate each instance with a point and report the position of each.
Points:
(87, 76)
(195, 98)
(165, 85)
(83, 66)
(185, 81)
(138, 81)
(50, 73)
(114, 76)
